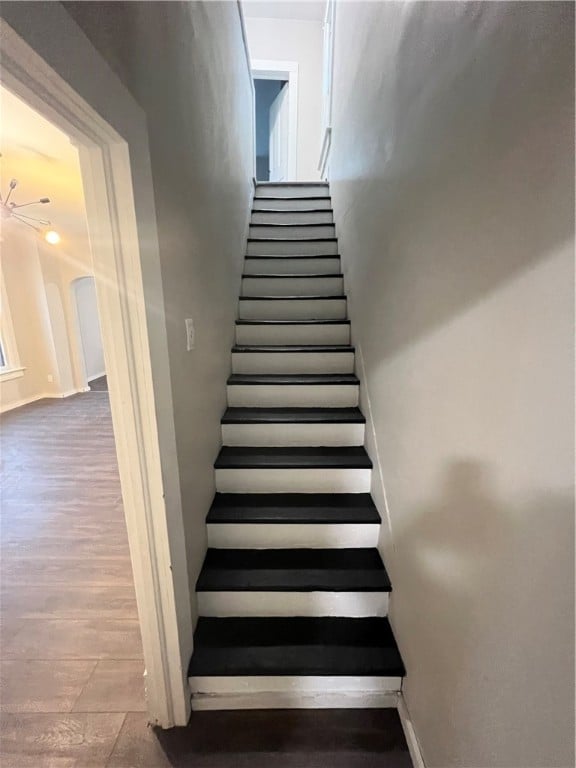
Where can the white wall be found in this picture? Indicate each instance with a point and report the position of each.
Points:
(185, 64)
(25, 291)
(300, 41)
(89, 327)
(452, 178)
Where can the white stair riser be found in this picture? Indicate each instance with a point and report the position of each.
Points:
(319, 699)
(316, 480)
(256, 603)
(293, 362)
(293, 230)
(293, 535)
(262, 204)
(291, 190)
(293, 692)
(288, 247)
(293, 309)
(286, 395)
(292, 434)
(292, 286)
(289, 266)
(338, 333)
(293, 217)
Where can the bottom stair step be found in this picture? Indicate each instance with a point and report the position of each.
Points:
(297, 646)
(294, 663)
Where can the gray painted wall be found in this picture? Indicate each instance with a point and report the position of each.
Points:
(452, 177)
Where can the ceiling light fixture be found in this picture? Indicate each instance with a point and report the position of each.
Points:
(52, 237)
(11, 210)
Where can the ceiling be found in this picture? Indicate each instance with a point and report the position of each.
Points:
(306, 10)
(45, 163)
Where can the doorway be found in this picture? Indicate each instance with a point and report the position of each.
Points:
(109, 131)
(84, 294)
(271, 129)
(276, 119)
(71, 638)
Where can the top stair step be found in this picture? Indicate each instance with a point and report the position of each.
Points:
(291, 203)
(305, 216)
(292, 189)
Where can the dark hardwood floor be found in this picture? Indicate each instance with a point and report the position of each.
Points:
(99, 385)
(71, 685)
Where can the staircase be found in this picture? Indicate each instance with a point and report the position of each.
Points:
(293, 594)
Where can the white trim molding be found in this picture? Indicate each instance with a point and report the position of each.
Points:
(40, 396)
(13, 369)
(19, 403)
(8, 373)
(90, 104)
(267, 69)
(96, 376)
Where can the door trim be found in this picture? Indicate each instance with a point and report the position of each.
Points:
(124, 243)
(267, 69)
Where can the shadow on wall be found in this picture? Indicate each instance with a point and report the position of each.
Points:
(468, 536)
(452, 177)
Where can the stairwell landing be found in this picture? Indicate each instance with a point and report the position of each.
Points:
(293, 594)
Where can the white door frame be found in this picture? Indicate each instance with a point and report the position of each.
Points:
(119, 200)
(267, 69)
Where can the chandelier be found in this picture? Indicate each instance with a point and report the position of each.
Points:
(10, 209)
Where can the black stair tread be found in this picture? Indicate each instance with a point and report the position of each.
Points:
(300, 508)
(292, 275)
(251, 457)
(311, 183)
(293, 570)
(258, 198)
(306, 224)
(292, 211)
(293, 322)
(292, 348)
(295, 646)
(304, 379)
(297, 415)
(293, 298)
(292, 239)
(295, 256)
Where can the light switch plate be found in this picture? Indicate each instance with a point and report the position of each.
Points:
(190, 334)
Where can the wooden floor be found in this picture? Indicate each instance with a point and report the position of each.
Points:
(71, 686)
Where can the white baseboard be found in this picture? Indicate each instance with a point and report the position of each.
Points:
(410, 734)
(96, 376)
(371, 444)
(68, 393)
(19, 403)
(41, 396)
